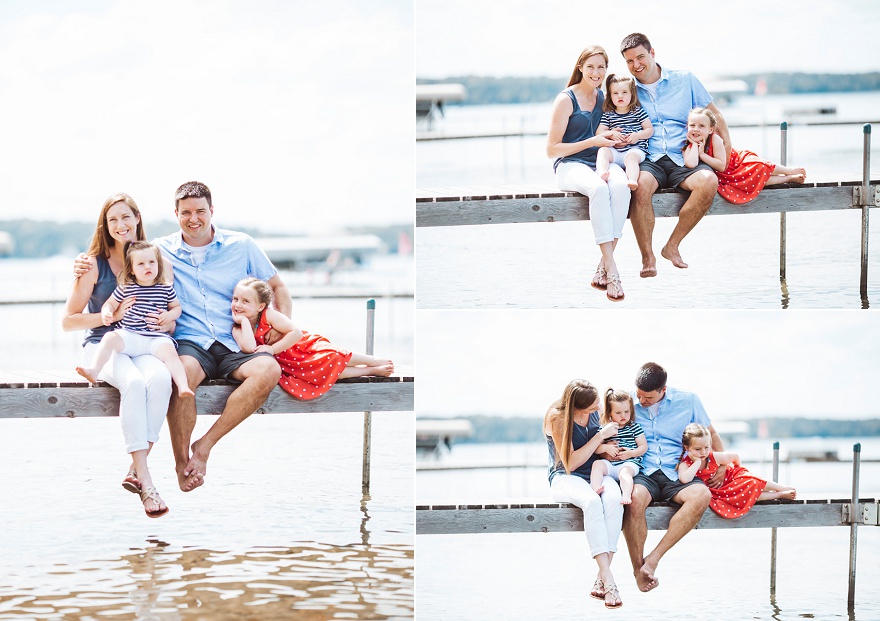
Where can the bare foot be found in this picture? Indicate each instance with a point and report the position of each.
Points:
(604, 176)
(798, 178)
(89, 374)
(671, 253)
(645, 578)
(626, 500)
(599, 489)
(383, 370)
(649, 268)
(189, 483)
(632, 185)
(185, 392)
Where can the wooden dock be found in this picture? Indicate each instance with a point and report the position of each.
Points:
(445, 519)
(47, 394)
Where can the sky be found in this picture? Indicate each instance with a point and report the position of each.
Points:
(712, 39)
(297, 115)
(816, 364)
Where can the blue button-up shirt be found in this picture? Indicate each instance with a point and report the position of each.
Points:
(678, 409)
(678, 92)
(205, 291)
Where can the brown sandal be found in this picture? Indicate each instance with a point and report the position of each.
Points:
(611, 591)
(598, 590)
(598, 277)
(151, 494)
(131, 482)
(614, 281)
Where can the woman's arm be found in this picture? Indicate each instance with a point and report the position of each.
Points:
(719, 160)
(562, 109)
(75, 318)
(581, 455)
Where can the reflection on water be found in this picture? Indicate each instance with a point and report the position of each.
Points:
(312, 580)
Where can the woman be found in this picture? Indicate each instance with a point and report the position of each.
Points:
(143, 382)
(572, 142)
(572, 429)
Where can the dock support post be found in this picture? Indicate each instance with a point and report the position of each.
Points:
(773, 530)
(866, 200)
(855, 517)
(783, 159)
(368, 416)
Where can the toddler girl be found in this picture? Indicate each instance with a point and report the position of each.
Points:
(622, 112)
(625, 449)
(309, 364)
(745, 175)
(740, 489)
(142, 290)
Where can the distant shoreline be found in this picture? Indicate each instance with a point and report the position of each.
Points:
(482, 90)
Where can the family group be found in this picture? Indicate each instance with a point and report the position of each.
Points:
(202, 302)
(656, 444)
(658, 128)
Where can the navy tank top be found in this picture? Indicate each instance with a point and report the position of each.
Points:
(579, 437)
(582, 124)
(102, 291)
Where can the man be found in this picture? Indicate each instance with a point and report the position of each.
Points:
(664, 412)
(207, 264)
(668, 96)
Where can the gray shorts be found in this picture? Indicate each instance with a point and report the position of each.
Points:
(218, 361)
(669, 174)
(660, 487)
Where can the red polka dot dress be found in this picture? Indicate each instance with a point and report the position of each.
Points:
(737, 494)
(745, 176)
(310, 367)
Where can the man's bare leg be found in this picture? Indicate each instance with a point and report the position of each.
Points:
(182, 421)
(635, 531)
(702, 185)
(258, 377)
(693, 500)
(641, 216)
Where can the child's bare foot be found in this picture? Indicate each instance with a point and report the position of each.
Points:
(599, 489)
(89, 374)
(626, 500)
(632, 184)
(789, 493)
(604, 176)
(184, 392)
(383, 370)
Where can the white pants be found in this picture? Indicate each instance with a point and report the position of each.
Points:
(619, 155)
(135, 344)
(609, 202)
(144, 385)
(603, 515)
(614, 468)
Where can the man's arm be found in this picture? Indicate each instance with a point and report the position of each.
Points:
(721, 130)
(281, 295)
(717, 446)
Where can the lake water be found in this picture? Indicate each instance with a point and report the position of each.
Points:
(734, 261)
(711, 574)
(279, 530)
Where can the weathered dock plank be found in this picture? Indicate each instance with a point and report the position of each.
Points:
(562, 517)
(34, 395)
(471, 206)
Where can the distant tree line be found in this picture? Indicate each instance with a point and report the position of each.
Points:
(528, 429)
(36, 239)
(490, 90)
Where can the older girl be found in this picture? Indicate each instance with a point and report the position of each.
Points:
(573, 433)
(310, 365)
(742, 178)
(573, 142)
(144, 382)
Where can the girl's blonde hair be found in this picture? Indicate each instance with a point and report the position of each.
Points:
(691, 433)
(617, 396)
(614, 78)
(260, 287)
(578, 395)
(102, 241)
(126, 276)
(713, 120)
(591, 50)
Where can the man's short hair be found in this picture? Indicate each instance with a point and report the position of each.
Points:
(635, 40)
(192, 189)
(651, 377)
